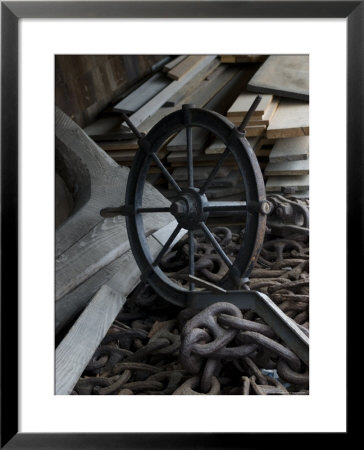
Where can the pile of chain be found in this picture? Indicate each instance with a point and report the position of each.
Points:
(154, 348)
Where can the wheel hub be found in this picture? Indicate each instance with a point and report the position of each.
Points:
(188, 208)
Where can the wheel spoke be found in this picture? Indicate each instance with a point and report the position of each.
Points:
(189, 156)
(191, 251)
(216, 245)
(214, 171)
(162, 209)
(165, 172)
(167, 245)
(226, 207)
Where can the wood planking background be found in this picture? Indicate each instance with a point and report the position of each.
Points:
(86, 84)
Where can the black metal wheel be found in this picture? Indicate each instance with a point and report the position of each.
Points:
(191, 206)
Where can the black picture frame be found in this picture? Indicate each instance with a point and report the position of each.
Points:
(11, 12)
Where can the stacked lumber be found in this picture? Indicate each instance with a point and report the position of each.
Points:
(282, 149)
(235, 59)
(213, 82)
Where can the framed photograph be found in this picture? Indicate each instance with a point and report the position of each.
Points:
(32, 33)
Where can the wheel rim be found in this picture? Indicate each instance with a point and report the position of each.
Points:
(188, 204)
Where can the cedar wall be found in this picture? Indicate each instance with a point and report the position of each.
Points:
(86, 84)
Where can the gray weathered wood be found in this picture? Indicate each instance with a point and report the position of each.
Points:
(199, 173)
(64, 201)
(87, 244)
(243, 103)
(100, 182)
(167, 67)
(300, 183)
(280, 168)
(181, 69)
(157, 101)
(290, 120)
(285, 75)
(199, 139)
(101, 246)
(103, 125)
(182, 96)
(217, 146)
(290, 149)
(143, 94)
(77, 348)
(71, 305)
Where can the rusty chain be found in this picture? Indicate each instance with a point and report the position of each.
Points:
(154, 348)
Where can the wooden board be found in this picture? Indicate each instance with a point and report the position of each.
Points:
(291, 149)
(80, 343)
(250, 58)
(199, 139)
(244, 101)
(284, 75)
(253, 130)
(184, 67)
(156, 102)
(299, 183)
(182, 96)
(78, 157)
(78, 347)
(210, 87)
(74, 302)
(101, 246)
(199, 173)
(290, 120)
(131, 144)
(242, 58)
(287, 168)
(143, 94)
(167, 67)
(86, 243)
(217, 146)
(180, 157)
(230, 180)
(103, 125)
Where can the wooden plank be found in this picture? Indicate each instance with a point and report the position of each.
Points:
(199, 139)
(79, 158)
(156, 102)
(250, 58)
(243, 103)
(299, 183)
(290, 120)
(217, 146)
(291, 149)
(101, 246)
(77, 348)
(254, 130)
(148, 124)
(128, 145)
(212, 86)
(242, 58)
(284, 75)
(287, 168)
(182, 96)
(142, 94)
(266, 118)
(184, 67)
(167, 67)
(181, 157)
(74, 302)
(228, 59)
(199, 173)
(103, 125)
(228, 181)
